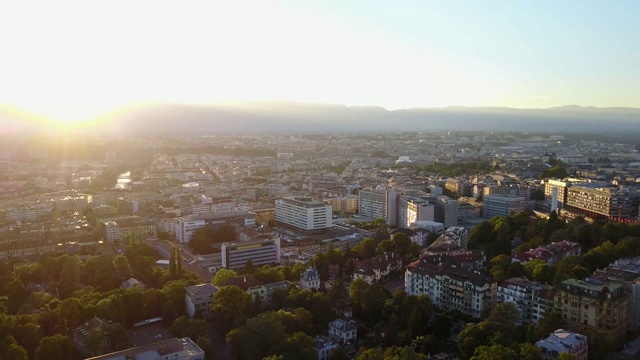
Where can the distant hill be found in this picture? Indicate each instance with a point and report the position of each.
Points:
(291, 117)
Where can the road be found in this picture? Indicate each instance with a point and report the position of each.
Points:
(164, 247)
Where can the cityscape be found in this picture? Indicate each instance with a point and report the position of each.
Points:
(320, 180)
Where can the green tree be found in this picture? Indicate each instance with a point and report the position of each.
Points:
(494, 352)
(529, 352)
(550, 322)
(567, 356)
(257, 338)
(122, 268)
(56, 347)
(366, 248)
(230, 304)
(16, 295)
(173, 270)
(222, 276)
(338, 296)
(205, 344)
(249, 269)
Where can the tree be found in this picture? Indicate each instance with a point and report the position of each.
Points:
(257, 338)
(95, 341)
(529, 352)
(249, 269)
(69, 277)
(222, 276)
(402, 243)
(550, 322)
(56, 347)
(366, 248)
(357, 290)
(536, 195)
(16, 295)
(230, 303)
(567, 356)
(298, 346)
(540, 271)
(122, 267)
(494, 352)
(205, 344)
(173, 269)
(338, 297)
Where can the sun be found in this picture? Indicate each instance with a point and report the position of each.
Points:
(62, 116)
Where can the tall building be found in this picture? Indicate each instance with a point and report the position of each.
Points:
(263, 252)
(303, 214)
(560, 189)
(446, 210)
(173, 349)
(376, 204)
(452, 288)
(412, 209)
(594, 307)
(531, 299)
(618, 204)
(497, 205)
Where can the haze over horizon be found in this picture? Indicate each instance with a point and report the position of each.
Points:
(73, 61)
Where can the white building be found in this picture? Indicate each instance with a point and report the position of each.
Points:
(343, 331)
(198, 299)
(186, 227)
(531, 299)
(376, 204)
(497, 205)
(412, 209)
(324, 346)
(303, 214)
(263, 252)
(310, 279)
(451, 288)
(563, 341)
(174, 349)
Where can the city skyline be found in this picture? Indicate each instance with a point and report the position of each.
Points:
(72, 61)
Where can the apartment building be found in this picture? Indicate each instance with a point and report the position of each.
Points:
(626, 270)
(27, 212)
(303, 214)
(452, 288)
(498, 205)
(125, 228)
(564, 341)
(596, 200)
(594, 307)
(556, 192)
(198, 299)
(344, 204)
(531, 299)
(262, 252)
(376, 204)
(551, 253)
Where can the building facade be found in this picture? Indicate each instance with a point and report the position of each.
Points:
(497, 205)
(303, 214)
(531, 299)
(594, 307)
(563, 341)
(451, 288)
(198, 299)
(262, 252)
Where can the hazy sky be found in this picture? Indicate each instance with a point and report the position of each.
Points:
(75, 59)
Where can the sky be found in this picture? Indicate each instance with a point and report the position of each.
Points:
(74, 60)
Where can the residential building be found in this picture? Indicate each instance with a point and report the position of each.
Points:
(344, 204)
(564, 341)
(376, 204)
(84, 331)
(411, 209)
(303, 214)
(498, 205)
(531, 299)
(171, 349)
(453, 239)
(126, 228)
(264, 291)
(28, 212)
(198, 299)
(551, 253)
(310, 279)
(261, 252)
(596, 200)
(594, 307)
(373, 270)
(626, 270)
(343, 331)
(324, 346)
(452, 288)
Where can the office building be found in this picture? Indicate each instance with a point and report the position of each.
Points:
(411, 209)
(555, 191)
(445, 210)
(263, 252)
(451, 288)
(594, 307)
(378, 204)
(303, 214)
(186, 227)
(171, 349)
(497, 205)
(563, 341)
(531, 299)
